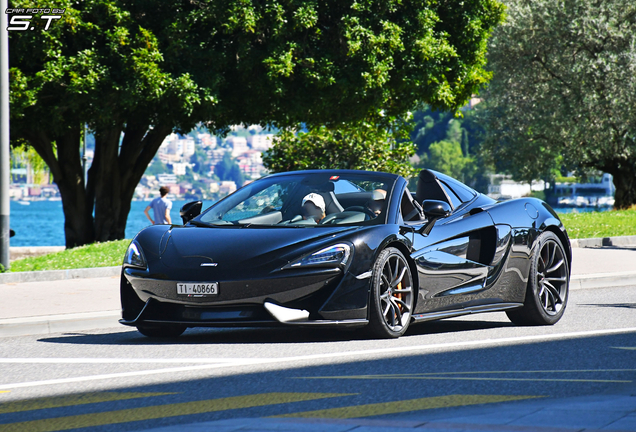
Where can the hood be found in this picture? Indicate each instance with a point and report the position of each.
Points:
(244, 251)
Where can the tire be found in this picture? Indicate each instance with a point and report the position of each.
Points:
(161, 330)
(548, 284)
(392, 298)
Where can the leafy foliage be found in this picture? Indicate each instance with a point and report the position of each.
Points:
(452, 145)
(227, 169)
(156, 167)
(446, 156)
(146, 68)
(564, 91)
(24, 156)
(331, 61)
(361, 146)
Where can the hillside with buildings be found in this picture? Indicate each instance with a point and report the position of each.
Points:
(193, 166)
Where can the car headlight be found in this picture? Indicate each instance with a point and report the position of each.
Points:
(134, 257)
(333, 255)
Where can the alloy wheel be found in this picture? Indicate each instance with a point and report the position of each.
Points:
(552, 278)
(396, 293)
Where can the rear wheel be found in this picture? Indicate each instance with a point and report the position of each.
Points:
(161, 330)
(392, 296)
(548, 284)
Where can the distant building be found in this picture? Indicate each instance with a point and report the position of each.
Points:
(215, 156)
(207, 141)
(179, 169)
(261, 142)
(188, 146)
(17, 192)
(227, 187)
(503, 187)
(585, 194)
(174, 189)
(166, 179)
(50, 191)
(238, 144)
(251, 163)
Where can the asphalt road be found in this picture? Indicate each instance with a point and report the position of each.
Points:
(116, 379)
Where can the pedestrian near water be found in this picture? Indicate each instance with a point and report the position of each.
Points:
(161, 207)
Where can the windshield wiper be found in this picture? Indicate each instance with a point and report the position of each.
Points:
(199, 223)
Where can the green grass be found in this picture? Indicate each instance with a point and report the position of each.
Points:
(600, 224)
(93, 255)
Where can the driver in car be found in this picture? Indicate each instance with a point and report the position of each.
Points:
(313, 207)
(376, 202)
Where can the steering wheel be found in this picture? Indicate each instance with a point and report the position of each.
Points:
(364, 210)
(328, 219)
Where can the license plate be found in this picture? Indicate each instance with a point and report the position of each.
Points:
(198, 289)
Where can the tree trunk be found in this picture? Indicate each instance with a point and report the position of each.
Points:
(78, 208)
(66, 168)
(117, 172)
(105, 173)
(112, 178)
(625, 183)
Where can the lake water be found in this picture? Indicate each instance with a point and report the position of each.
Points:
(41, 223)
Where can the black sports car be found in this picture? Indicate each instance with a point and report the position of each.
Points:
(347, 248)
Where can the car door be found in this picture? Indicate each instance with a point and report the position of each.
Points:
(457, 255)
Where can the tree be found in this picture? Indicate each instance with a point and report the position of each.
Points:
(23, 156)
(199, 159)
(446, 156)
(351, 146)
(146, 68)
(157, 167)
(97, 66)
(564, 91)
(228, 169)
(451, 144)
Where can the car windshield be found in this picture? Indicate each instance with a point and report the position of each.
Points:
(308, 199)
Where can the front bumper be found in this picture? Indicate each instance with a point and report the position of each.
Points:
(303, 295)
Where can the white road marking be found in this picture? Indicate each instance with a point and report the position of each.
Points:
(338, 355)
(67, 360)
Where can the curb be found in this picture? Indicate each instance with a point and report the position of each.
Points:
(53, 275)
(620, 241)
(19, 252)
(42, 325)
(603, 280)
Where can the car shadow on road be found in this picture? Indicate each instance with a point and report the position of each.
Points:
(265, 335)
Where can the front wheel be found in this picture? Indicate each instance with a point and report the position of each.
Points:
(548, 284)
(161, 330)
(392, 296)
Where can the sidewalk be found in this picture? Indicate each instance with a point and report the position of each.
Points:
(85, 299)
(59, 305)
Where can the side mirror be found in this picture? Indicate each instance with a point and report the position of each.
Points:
(190, 210)
(436, 208)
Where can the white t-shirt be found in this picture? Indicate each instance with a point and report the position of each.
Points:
(159, 206)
